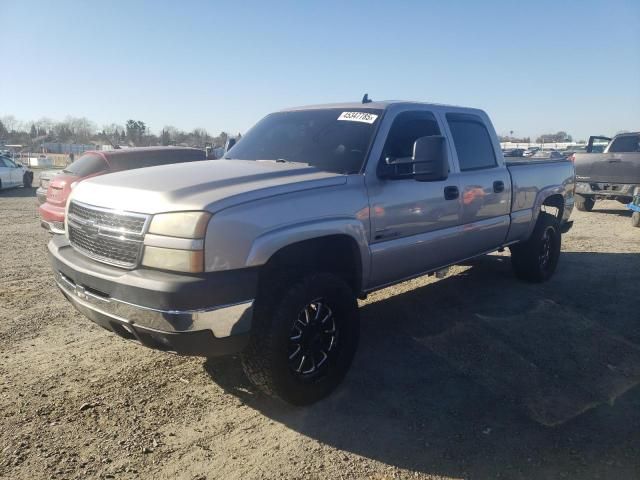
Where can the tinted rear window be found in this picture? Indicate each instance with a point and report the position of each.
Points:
(88, 164)
(472, 141)
(626, 143)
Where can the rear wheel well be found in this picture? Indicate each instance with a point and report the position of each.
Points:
(337, 254)
(554, 205)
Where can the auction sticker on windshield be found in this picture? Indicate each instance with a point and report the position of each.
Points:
(358, 117)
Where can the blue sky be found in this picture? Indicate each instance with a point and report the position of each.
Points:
(534, 66)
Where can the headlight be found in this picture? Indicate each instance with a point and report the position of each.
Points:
(180, 224)
(181, 249)
(191, 261)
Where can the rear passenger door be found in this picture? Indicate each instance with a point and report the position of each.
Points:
(485, 183)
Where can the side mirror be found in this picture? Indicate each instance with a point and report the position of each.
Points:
(427, 164)
(430, 159)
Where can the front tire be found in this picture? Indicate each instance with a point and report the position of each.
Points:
(303, 339)
(536, 259)
(635, 219)
(584, 204)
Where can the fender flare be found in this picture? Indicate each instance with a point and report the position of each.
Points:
(539, 201)
(267, 244)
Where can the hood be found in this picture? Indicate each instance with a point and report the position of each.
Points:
(208, 185)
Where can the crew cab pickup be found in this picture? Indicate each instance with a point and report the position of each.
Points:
(612, 175)
(264, 252)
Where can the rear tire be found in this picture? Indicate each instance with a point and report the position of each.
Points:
(584, 204)
(536, 259)
(303, 339)
(635, 219)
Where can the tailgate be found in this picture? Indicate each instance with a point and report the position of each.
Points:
(610, 168)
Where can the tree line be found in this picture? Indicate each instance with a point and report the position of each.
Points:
(134, 133)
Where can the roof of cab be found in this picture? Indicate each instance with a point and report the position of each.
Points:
(381, 105)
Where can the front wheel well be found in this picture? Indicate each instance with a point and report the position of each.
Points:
(337, 254)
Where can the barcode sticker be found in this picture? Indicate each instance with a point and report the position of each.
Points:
(363, 117)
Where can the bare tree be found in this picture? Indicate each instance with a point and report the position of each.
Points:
(11, 123)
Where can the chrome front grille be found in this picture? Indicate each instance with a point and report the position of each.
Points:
(105, 235)
(130, 222)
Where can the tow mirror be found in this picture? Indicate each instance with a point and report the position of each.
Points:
(427, 164)
(430, 159)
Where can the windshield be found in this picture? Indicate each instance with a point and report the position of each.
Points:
(87, 165)
(333, 140)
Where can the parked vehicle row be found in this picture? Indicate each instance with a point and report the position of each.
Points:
(264, 252)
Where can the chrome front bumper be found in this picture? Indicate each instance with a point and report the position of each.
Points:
(223, 321)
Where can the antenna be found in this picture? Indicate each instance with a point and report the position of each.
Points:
(366, 98)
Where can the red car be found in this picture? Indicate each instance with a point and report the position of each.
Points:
(94, 163)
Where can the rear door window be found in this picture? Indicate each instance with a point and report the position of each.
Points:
(626, 143)
(472, 141)
(88, 164)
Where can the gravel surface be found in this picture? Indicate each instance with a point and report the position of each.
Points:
(78, 402)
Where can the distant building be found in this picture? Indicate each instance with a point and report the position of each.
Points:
(67, 148)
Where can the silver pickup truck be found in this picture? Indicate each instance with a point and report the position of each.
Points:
(264, 252)
(610, 175)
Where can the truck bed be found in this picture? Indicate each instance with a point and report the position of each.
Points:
(530, 178)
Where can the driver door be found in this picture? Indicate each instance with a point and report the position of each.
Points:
(411, 221)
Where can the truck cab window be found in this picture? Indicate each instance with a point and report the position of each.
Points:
(472, 142)
(626, 143)
(405, 130)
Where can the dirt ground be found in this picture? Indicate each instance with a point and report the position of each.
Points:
(472, 376)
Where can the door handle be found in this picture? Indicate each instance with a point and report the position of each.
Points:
(451, 193)
(615, 160)
(498, 186)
